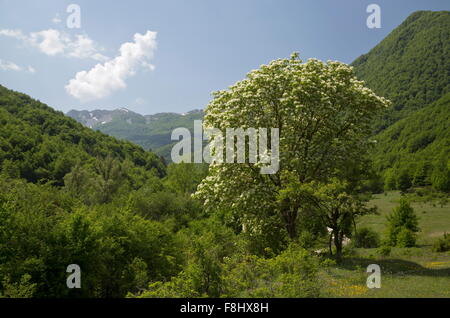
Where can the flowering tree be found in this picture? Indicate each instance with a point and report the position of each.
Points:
(323, 114)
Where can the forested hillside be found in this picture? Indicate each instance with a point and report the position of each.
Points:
(411, 66)
(40, 144)
(415, 151)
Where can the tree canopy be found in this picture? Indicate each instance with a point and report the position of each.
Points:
(324, 116)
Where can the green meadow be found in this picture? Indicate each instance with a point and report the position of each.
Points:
(406, 272)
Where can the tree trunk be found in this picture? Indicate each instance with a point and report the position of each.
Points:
(291, 228)
(290, 219)
(330, 247)
(338, 244)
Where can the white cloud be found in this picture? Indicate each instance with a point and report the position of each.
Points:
(148, 66)
(10, 66)
(49, 41)
(13, 33)
(103, 79)
(53, 42)
(56, 19)
(84, 47)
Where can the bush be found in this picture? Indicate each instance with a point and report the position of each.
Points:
(442, 244)
(23, 289)
(206, 243)
(306, 239)
(366, 238)
(293, 273)
(404, 181)
(402, 220)
(384, 250)
(406, 238)
(440, 178)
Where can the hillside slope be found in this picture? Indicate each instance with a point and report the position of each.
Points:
(417, 147)
(40, 144)
(411, 66)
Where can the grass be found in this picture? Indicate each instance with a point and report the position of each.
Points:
(406, 272)
(434, 218)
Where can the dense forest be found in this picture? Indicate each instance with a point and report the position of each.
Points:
(65, 193)
(414, 151)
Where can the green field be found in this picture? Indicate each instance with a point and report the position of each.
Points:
(406, 272)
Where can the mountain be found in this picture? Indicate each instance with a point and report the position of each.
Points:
(40, 144)
(93, 119)
(149, 131)
(411, 66)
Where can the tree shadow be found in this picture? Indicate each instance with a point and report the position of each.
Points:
(393, 266)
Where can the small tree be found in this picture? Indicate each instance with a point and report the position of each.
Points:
(110, 177)
(421, 173)
(366, 238)
(336, 204)
(403, 223)
(406, 238)
(390, 179)
(442, 244)
(404, 181)
(184, 177)
(440, 178)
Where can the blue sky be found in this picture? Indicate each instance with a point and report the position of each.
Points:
(200, 46)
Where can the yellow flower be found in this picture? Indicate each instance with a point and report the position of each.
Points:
(437, 264)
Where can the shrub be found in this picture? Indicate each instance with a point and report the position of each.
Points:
(440, 178)
(22, 289)
(404, 181)
(384, 250)
(306, 239)
(403, 217)
(293, 273)
(406, 238)
(179, 286)
(349, 250)
(366, 238)
(442, 244)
